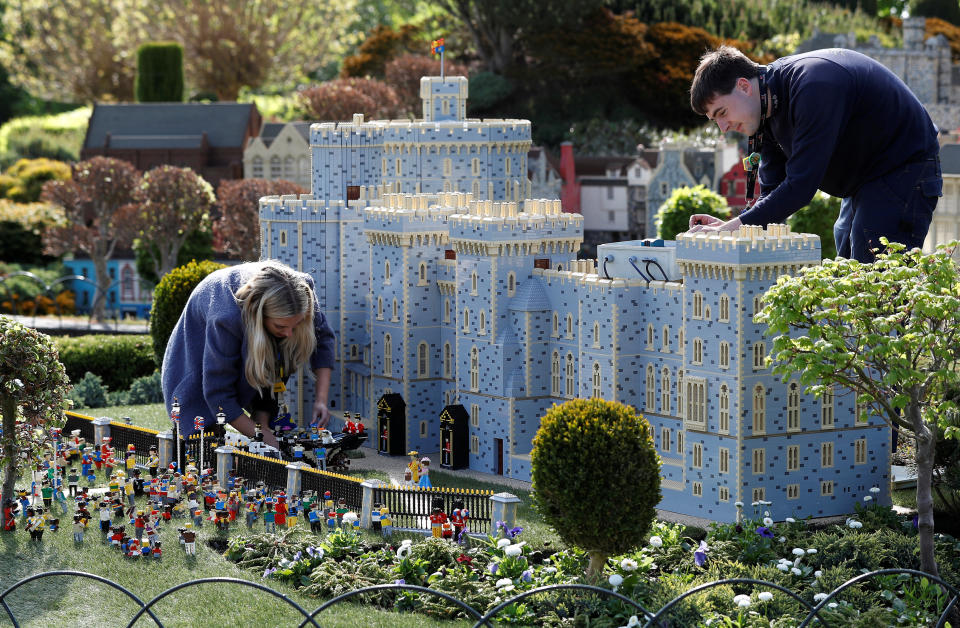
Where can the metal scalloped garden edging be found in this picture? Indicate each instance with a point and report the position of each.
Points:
(485, 619)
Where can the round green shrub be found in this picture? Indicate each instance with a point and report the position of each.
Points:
(89, 392)
(117, 360)
(818, 217)
(487, 90)
(31, 174)
(674, 215)
(170, 297)
(596, 476)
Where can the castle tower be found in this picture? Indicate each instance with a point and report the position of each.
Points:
(444, 99)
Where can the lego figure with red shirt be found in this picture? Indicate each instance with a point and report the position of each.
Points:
(280, 512)
(459, 518)
(139, 523)
(10, 515)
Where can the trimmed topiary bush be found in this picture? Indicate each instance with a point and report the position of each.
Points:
(29, 176)
(89, 392)
(118, 360)
(159, 72)
(596, 476)
(170, 297)
(674, 215)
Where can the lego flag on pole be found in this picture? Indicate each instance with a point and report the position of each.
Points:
(198, 423)
(436, 46)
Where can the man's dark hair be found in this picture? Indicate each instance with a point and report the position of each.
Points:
(717, 75)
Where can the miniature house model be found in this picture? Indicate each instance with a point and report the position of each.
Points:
(447, 286)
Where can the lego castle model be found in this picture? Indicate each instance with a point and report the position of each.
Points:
(448, 287)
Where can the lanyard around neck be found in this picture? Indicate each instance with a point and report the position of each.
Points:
(751, 163)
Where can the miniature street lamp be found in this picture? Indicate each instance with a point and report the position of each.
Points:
(175, 417)
(222, 421)
(198, 424)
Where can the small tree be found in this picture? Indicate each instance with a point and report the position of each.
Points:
(237, 231)
(339, 99)
(32, 386)
(170, 203)
(674, 215)
(818, 217)
(888, 331)
(96, 204)
(170, 297)
(596, 476)
(159, 72)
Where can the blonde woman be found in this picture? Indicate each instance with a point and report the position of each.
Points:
(244, 330)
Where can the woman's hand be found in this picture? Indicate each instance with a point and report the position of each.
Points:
(321, 414)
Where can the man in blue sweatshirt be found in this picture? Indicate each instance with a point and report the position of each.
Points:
(833, 120)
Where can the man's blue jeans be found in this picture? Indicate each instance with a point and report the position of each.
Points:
(899, 205)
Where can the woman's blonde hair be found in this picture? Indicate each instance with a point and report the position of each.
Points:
(275, 291)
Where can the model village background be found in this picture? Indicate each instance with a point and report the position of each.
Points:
(448, 255)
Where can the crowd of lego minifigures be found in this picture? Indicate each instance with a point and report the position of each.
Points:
(168, 494)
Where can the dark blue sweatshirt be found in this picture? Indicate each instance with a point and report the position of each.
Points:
(841, 119)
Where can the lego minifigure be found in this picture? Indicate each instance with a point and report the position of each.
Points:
(331, 520)
(131, 460)
(425, 473)
(73, 481)
(60, 498)
(437, 519)
(79, 527)
(314, 518)
(137, 483)
(386, 523)
(375, 517)
(321, 454)
(341, 509)
(105, 513)
(280, 511)
(156, 550)
(189, 539)
(24, 500)
(139, 524)
(459, 518)
(10, 515)
(153, 462)
(269, 519)
(293, 511)
(223, 521)
(46, 491)
(86, 462)
(414, 467)
(251, 511)
(129, 491)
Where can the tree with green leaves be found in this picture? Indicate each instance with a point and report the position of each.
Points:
(818, 217)
(674, 215)
(889, 332)
(159, 72)
(170, 204)
(596, 476)
(33, 383)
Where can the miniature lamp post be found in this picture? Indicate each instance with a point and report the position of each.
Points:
(55, 433)
(222, 421)
(175, 417)
(198, 425)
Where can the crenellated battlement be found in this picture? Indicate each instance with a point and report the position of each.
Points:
(750, 245)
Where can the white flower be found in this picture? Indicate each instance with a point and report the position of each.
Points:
(817, 573)
(18, 383)
(782, 539)
(765, 596)
(615, 579)
(785, 561)
(790, 520)
(742, 600)
(513, 550)
(812, 550)
(502, 582)
(867, 498)
(628, 564)
(783, 566)
(766, 513)
(798, 552)
(795, 571)
(403, 551)
(738, 504)
(754, 504)
(633, 622)
(832, 605)
(874, 489)
(819, 597)
(656, 541)
(767, 521)
(856, 525)
(502, 543)
(549, 570)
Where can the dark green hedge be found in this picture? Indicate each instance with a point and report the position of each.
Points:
(118, 360)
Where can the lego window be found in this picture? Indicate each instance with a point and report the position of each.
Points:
(698, 455)
(679, 441)
(759, 410)
(759, 355)
(793, 458)
(665, 391)
(447, 360)
(446, 310)
(596, 334)
(474, 369)
(283, 237)
(759, 494)
(423, 360)
(697, 351)
(289, 168)
(860, 451)
(276, 168)
(466, 319)
(759, 461)
(826, 488)
(650, 337)
(651, 389)
(386, 271)
(665, 339)
(863, 411)
(680, 346)
(473, 283)
(387, 355)
(474, 415)
(826, 409)
(257, 168)
(447, 167)
(596, 380)
(383, 166)
(571, 385)
(826, 455)
(476, 190)
(793, 407)
(724, 308)
(723, 494)
(724, 355)
(569, 325)
(696, 403)
(474, 445)
(664, 188)
(398, 169)
(697, 305)
(482, 323)
(555, 374)
(506, 166)
(756, 305)
(724, 415)
(511, 284)
(396, 311)
(422, 274)
(423, 428)
(475, 167)
(353, 351)
(698, 489)
(680, 392)
(793, 491)
(380, 308)
(556, 324)
(706, 313)
(724, 455)
(665, 439)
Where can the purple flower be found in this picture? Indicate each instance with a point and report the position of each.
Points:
(297, 556)
(700, 556)
(765, 532)
(916, 522)
(515, 531)
(268, 571)
(739, 528)
(527, 575)
(493, 568)
(310, 551)
(400, 581)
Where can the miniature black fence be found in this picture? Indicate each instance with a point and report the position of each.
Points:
(646, 618)
(142, 439)
(340, 486)
(254, 468)
(78, 422)
(192, 447)
(411, 507)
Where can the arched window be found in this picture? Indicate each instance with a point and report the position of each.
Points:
(650, 337)
(556, 324)
(596, 334)
(423, 360)
(474, 369)
(447, 167)
(289, 168)
(386, 271)
(596, 380)
(665, 339)
(724, 308)
(555, 374)
(396, 311)
(422, 272)
(759, 410)
(387, 355)
(276, 167)
(651, 390)
(793, 407)
(569, 325)
(665, 391)
(697, 351)
(466, 319)
(482, 323)
(127, 284)
(571, 384)
(473, 283)
(826, 409)
(446, 310)
(697, 304)
(724, 417)
(724, 355)
(511, 284)
(759, 355)
(680, 392)
(257, 168)
(380, 308)
(447, 361)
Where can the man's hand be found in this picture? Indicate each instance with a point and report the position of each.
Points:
(715, 224)
(705, 220)
(321, 414)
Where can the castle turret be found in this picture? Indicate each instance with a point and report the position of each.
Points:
(444, 99)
